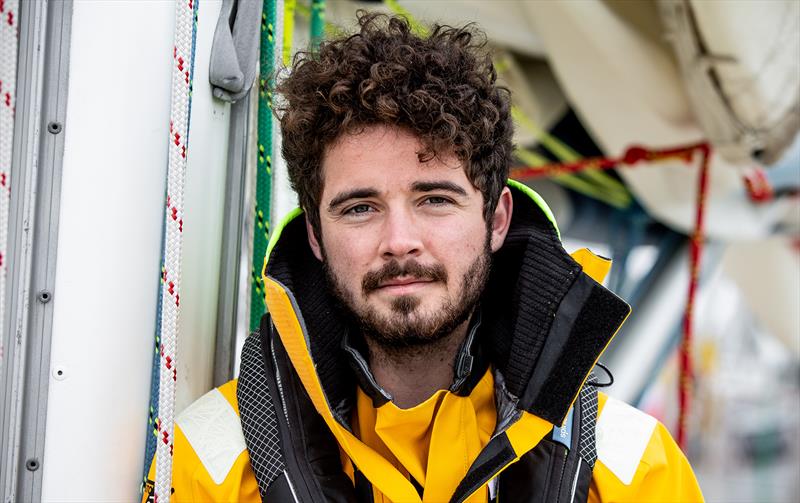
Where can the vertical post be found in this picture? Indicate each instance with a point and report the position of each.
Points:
(232, 241)
(33, 233)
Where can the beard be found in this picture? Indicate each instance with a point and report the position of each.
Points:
(406, 326)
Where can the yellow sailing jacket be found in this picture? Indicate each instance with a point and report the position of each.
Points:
(475, 442)
(638, 461)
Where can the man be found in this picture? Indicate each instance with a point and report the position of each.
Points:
(428, 338)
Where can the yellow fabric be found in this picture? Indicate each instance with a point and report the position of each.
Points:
(424, 441)
(663, 474)
(595, 266)
(388, 479)
(192, 483)
(436, 441)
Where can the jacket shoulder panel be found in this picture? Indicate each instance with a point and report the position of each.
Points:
(623, 433)
(212, 428)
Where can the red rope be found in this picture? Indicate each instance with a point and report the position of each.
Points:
(633, 156)
(758, 187)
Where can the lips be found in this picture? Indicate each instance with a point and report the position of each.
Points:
(404, 282)
(403, 286)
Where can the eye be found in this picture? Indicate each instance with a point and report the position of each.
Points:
(358, 209)
(437, 200)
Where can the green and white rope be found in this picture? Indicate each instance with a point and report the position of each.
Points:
(9, 24)
(183, 59)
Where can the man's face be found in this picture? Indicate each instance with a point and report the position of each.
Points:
(405, 244)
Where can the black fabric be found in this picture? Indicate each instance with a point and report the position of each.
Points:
(309, 467)
(364, 492)
(310, 450)
(587, 319)
(356, 350)
(497, 453)
(530, 275)
(472, 359)
(583, 484)
(295, 266)
(550, 472)
(536, 477)
(293, 453)
(279, 490)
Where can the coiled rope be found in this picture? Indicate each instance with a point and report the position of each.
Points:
(9, 24)
(633, 156)
(180, 106)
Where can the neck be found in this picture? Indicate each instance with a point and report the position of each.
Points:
(412, 375)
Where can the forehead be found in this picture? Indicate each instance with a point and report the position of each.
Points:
(384, 157)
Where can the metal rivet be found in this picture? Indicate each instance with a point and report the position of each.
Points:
(32, 464)
(54, 127)
(44, 296)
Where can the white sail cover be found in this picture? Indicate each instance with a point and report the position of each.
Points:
(620, 75)
(740, 61)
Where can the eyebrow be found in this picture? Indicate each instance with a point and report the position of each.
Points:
(438, 185)
(345, 196)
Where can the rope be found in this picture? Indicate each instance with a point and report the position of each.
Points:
(759, 190)
(695, 257)
(633, 156)
(264, 163)
(183, 62)
(9, 25)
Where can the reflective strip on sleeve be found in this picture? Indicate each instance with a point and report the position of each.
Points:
(213, 430)
(623, 433)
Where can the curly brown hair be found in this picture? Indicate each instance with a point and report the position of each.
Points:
(441, 87)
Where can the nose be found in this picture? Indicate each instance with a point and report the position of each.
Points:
(401, 236)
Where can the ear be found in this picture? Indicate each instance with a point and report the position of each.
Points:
(501, 219)
(313, 241)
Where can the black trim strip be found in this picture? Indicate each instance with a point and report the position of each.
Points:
(497, 454)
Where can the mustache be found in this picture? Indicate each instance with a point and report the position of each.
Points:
(373, 279)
